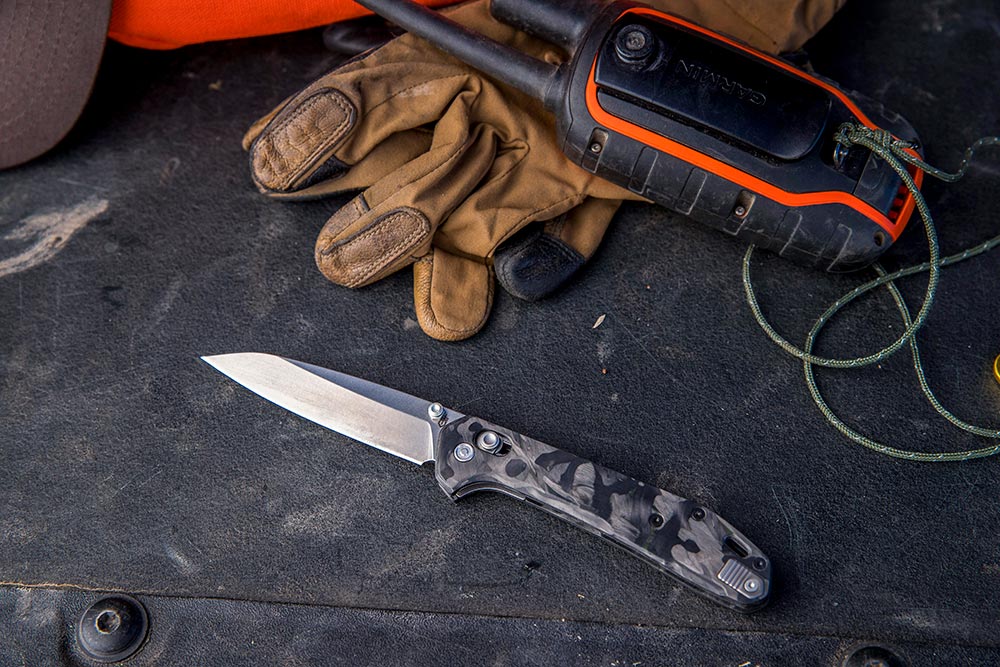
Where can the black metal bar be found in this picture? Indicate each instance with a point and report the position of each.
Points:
(505, 64)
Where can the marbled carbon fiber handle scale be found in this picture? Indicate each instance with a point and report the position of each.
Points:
(676, 535)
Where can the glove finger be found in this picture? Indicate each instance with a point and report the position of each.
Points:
(383, 157)
(390, 155)
(452, 295)
(546, 255)
(392, 223)
(337, 122)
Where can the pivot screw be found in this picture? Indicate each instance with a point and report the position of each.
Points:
(751, 586)
(488, 441)
(464, 452)
(436, 411)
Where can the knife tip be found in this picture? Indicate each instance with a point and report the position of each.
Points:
(218, 360)
(213, 360)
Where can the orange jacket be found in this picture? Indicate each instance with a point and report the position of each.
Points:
(168, 24)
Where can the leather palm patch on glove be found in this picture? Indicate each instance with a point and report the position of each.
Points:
(451, 166)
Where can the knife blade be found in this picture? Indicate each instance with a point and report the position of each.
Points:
(676, 535)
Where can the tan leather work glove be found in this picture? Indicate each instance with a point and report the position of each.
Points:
(453, 164)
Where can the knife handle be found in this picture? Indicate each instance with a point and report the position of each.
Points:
(674, 534)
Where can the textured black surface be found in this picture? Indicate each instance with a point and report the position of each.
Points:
(129, 465)
(227, 633)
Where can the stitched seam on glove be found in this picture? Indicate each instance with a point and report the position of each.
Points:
(566, 251)
(463, 75)
(399, 214)
(454, 155)
(511, 144)
(379, 229)
(335, 136)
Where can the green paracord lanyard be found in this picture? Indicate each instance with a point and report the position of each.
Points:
(894, 152)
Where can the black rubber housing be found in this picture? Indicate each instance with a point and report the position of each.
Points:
(740, 110)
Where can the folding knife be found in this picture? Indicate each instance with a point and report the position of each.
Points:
(674, 534)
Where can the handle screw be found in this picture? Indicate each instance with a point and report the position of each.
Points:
(751, 586)
(488, 441)
(436, 411)
(464, 452)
